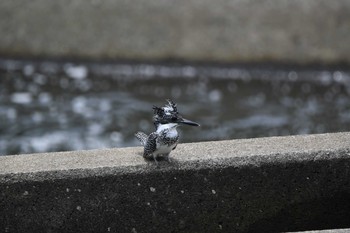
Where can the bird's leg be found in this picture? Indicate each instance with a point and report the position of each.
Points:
(155, 159)
(166, 157)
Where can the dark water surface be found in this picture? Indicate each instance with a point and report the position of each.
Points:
(57, 106)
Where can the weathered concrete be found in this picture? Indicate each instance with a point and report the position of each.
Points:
(295, 31)
(327, 231)
(267, 184)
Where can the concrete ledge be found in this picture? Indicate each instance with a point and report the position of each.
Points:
(327, 231)
(268, 184)
(294, 31)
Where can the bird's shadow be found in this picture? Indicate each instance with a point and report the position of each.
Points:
(160, 161)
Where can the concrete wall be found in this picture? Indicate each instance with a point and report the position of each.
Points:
(267, 184)
(296, 31)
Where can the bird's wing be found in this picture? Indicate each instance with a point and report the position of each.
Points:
(151, 144)
(142, 137)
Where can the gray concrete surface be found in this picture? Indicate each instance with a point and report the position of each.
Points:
(295, 31)
(328, 231)
(267, 184)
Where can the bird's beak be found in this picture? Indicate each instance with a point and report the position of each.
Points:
(188, 122)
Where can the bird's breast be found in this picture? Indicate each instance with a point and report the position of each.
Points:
(164, 148)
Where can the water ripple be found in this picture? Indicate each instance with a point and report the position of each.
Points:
(50, 106)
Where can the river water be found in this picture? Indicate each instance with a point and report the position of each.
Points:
(59, 106)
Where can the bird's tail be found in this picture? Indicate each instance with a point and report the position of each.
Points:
(142, 137)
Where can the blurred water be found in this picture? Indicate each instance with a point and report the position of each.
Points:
(57, 106)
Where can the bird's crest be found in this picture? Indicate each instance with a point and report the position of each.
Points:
(171, 106)
(165, 114)
(168, 109)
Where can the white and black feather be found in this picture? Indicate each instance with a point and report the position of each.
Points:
(159, 143)
(165, 139)
(142, 137)
(150, 145)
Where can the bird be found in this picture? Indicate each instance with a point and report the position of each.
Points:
(160, 143)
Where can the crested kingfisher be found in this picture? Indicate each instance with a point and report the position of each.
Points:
(160, 143)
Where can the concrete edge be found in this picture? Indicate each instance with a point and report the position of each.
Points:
(345, 230)
(277, 184)
(187, 156)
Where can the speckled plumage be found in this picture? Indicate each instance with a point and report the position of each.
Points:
(160, 143)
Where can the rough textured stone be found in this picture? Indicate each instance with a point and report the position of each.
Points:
(295, 31)
(327, 231)
(267, 184)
